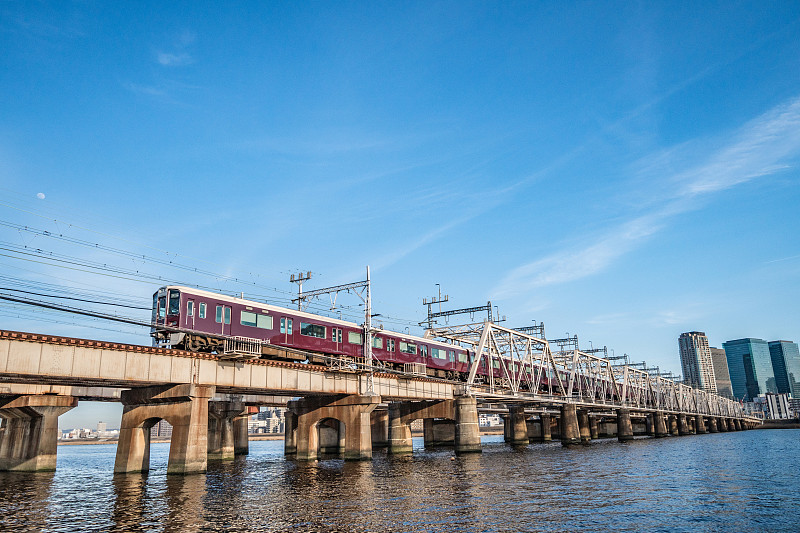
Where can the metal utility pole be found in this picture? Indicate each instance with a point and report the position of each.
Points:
(432, 301)
(299, 279)
(469, 310)
(536, 330)
(366, 296)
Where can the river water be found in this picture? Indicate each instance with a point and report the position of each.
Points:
(745, 481)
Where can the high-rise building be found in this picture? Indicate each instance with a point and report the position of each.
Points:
(786, 365)
(698, 369)
(750, 367)
(721, 374)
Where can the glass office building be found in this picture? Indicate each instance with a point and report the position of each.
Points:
(786, 365)
(750, 368)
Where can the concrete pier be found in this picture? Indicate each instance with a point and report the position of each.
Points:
(584, 426)
(332, 423)
(673, 425)
(185, 407)
(221, 435)
(660, 424)
(401, 414)
(594, 429)
(516, 429)
(241, 438)
(722, 425)
(712, 425)
(439, 432)
(290, 433)
(29, 433)
(547, 433)
(699, 424)
(683, 427)
(468, 437)
(570, 432)
(624, 426)
(379, 418)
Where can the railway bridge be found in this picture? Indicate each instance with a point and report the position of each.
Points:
(344, 407)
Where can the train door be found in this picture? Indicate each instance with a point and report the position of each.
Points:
(336, 337)
(190, 314)
(286, 330)
(223, 318)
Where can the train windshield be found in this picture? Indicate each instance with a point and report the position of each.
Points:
(162, 307)
(174, 302)
(155, 306)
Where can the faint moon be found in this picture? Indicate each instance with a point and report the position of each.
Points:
(40, 196)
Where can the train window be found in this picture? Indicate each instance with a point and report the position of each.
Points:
(437, 353)
(162, 307)
(258, 321)
(286, 326)
(227, 315)
(423, 351)
(201, 310)
(190, 308)
(174, 303)
(495, 363)
(406, 347)
(336, 336)
(462, 357)
(354, 337)
(248, 319)
(390, 345)
(451, 356)
(377, 342)
(312, 330)
(218, 318)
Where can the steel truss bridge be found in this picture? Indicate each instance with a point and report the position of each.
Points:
(531, 372)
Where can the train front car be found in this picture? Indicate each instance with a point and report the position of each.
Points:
(166, 318)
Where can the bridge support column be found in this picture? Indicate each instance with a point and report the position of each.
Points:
(650, 427)
(516, 431)
(289, 433)
(546, 421)
(439, 432)
(29, 433)
(624, 426)
(380, 428)
(683, 427)
(221, 435)
(722, 425)
(344, 414)
(185, 407)
(699, 424)
(241, 435)
(594, 429)
(739, 425)
(583, 426)
(468, 437)
(712, 425)
(673, 425)
(402, 414)
(570, 432)
(661, 425)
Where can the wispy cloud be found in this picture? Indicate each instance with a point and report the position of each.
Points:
(173, 60)
(760, 148)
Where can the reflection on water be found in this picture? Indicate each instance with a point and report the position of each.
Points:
(723, 482)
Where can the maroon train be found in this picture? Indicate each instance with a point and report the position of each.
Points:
(199, 321)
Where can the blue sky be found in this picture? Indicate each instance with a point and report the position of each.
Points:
(620, 171)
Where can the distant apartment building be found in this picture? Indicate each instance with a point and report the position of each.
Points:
(785, 357)
(696, 363)
(162, 429)
(721, 374)
(750, 367)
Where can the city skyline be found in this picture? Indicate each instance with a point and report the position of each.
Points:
(601, 178)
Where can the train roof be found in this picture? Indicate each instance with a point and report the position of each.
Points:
(295, 312)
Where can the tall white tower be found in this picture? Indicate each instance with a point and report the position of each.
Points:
(696, 362)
